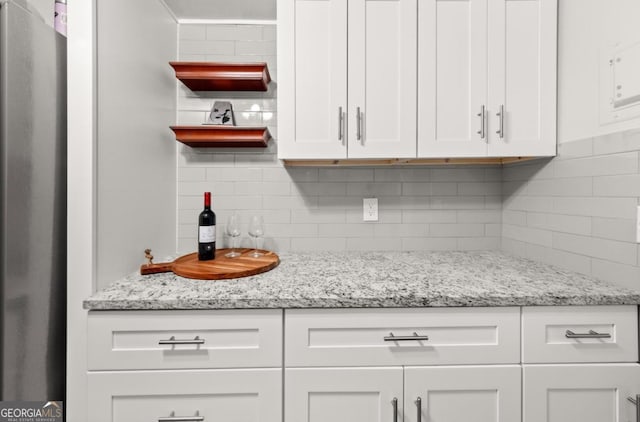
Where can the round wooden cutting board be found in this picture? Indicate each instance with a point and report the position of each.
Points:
(220, 268)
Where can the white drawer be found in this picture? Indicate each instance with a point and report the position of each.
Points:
(213, 339)
(579, 334)
(251, 395)
(356, 337)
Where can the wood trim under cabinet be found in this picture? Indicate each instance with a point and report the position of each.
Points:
(407, 161)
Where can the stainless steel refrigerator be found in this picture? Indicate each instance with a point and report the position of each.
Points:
(32, 206)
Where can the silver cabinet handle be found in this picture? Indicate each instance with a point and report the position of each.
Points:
(414, 337)
(173, 340)
(359, 125)
(636, 401)
(500, 114)
(590, 334)
(174, 418)
(394, 403)
(340, 125)
(419, 406)
(482, 113)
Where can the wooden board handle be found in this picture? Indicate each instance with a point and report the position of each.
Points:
(162, 267)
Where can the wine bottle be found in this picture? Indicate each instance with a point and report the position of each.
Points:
(207, 231)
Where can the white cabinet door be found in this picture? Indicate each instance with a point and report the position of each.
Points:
(382, 78)
(452, 78)
(218, 395)
(580, 393)
(312, 81)
(522, 77)
(454, 394)
(342, 394)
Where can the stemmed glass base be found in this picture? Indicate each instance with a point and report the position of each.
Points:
(232, 254)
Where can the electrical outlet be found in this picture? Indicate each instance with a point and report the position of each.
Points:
(370, 209)
(638, 226)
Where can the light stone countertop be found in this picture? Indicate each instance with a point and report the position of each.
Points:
(370, 279)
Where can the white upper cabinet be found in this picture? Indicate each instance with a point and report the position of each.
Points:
(452, 81)
(312, 87)
(382, 78)
(368, 79)
(522, 77)
(316, 120)
(487, 78)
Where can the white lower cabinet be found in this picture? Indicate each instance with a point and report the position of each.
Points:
(581, 393)
(240, 395)
(343, 394)
(462, 393)
(511, 364)
(410, 394)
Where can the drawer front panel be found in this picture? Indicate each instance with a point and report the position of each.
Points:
(184, 339)
(363, 337)
(579, 334)
(247, 395)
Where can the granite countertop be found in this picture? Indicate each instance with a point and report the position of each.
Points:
(370, 279)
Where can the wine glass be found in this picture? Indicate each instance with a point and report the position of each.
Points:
(233, 231)
(256, 230)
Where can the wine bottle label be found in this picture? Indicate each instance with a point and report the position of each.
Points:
(207, 234)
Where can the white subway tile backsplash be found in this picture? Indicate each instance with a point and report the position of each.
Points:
(346, 230)
(625, 275)
(255, 48)
(319, 189)
(573, 224)
(478, 243)
(528, 235)
(557, 210)
(234, 32)
(457, 202)
(479, 216)
(614, 229)
(318, 215)
(318, 244)
(622, 186)
(345, 175)
(456, 230)
(400, 230)
(428, 216)
(374, 244)
(192, 32)
(596, 206)
(189, 174)
(429, 244)
(374, 189)
(611, 250)
(206, 47)
(386, 216)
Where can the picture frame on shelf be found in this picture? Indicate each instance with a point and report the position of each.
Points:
(221, 114)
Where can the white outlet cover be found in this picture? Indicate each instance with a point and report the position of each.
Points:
(370, 209)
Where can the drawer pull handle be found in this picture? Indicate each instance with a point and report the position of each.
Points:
(414, 337)
(394, 402)
(174, 418)
(173, 341)
(590, 334)
(636, 401)
(419, 406)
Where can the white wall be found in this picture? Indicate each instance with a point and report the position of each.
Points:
(586, 29)
(136, 168)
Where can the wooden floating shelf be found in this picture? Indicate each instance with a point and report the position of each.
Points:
(407, 161)
(211, 136)
(208, 76)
